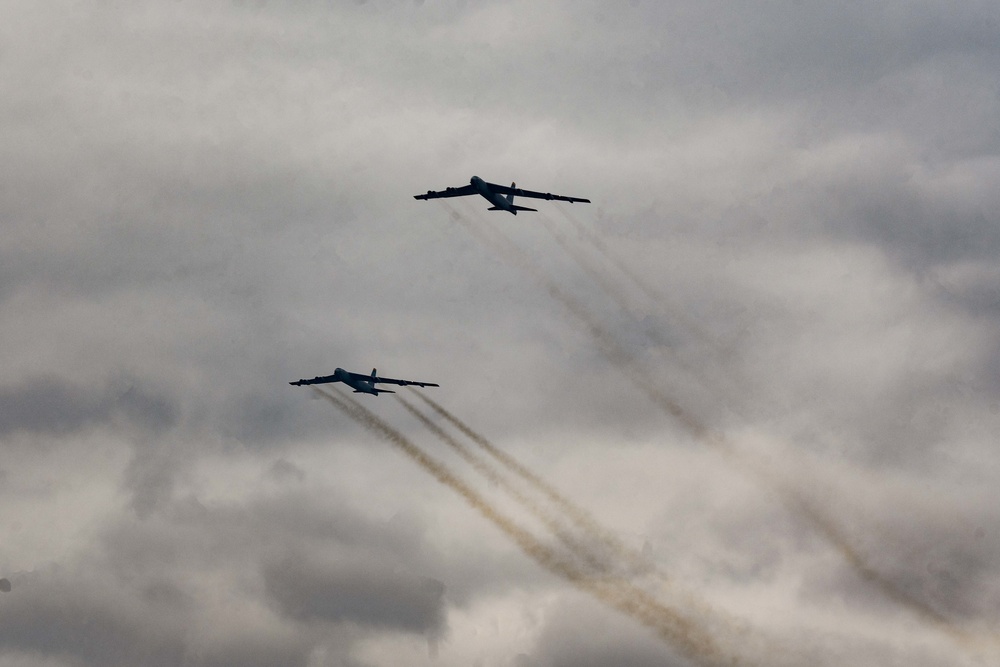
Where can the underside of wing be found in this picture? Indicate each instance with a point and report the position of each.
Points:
(404, 383)
(317, 380)
(448, 192)
(518, 192)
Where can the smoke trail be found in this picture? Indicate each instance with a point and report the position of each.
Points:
(788, 495)
(582, 518)
(619, 357)
(619, 296)
(868, 573)
(622, 360)
(597, 564)
(635, 562)
(678, 631)
(792, 498)
(653, 294)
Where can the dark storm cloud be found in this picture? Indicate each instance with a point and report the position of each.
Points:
(360, 592)
(95, 619)
(55, 406)
(922, 220)
(325, 533)
(136, 597)
(762, 51)
(91, 620)
(171, 537)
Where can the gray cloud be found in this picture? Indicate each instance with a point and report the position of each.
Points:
(51, 405)
(574, 635)
(94, 620)
(201, 203)
(89, 620)
(358, 592)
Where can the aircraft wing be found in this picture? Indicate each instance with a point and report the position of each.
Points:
(403, 383)
(317, 380)
(507, 190)
(448, 192)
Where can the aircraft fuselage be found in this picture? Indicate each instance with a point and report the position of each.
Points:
(499, 201)
(359, 386)
(483, 188)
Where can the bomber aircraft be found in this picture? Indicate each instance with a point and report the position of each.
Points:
(360, 383)
(495, 194)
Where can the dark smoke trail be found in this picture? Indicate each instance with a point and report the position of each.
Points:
(680, 632)
(620, 297)
(637, 564)
(622, 360)
(587, 266)
(598, 565)
(791, 497)
(619, 357)
(733, 381)
(800, 505)
(867, 573)
(653, 294)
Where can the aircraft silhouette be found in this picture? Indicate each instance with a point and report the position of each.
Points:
(501, 196)
(360, 383)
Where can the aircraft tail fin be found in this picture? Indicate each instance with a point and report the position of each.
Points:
(510, 197)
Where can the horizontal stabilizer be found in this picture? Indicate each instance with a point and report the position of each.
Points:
(513, 209)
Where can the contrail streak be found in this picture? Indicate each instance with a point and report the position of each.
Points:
(862, 568)
(598, 565)
(678, 631)
(626, 303)
(587, 266)
(790, 496)
(653, 294)
(635, 562)
(608, 346)
(581, 517)
(621, 359)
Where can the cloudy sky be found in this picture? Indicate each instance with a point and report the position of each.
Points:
(741, 407)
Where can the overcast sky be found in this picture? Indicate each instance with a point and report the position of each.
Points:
(761, 369)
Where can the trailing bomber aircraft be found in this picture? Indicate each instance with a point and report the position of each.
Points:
(495, 194)
(360, 383)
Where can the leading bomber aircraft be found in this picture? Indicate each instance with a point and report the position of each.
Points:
(495, 194)
(360, 383)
